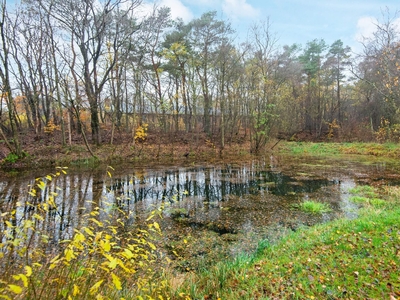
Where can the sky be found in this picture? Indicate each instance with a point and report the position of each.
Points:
(295, 21)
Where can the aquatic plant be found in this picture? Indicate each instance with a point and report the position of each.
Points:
(377, 202)
(363, 190)
(366, 195)
(314, 207)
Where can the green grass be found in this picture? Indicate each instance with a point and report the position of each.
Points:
(377, 202)
(331, 149)
(342, 259)
(359, 199)
(310, 148)
(314, 207)
(364, 190)
(366, 195)
(89, 161)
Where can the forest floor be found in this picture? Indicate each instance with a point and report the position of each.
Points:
(179, 148)
(158, 149)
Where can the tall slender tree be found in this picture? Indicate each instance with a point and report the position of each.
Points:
(6, 91)
(88, 23)
(339, 58)
(311, 60)
(207, 33)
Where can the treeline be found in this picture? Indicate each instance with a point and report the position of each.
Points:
(79, 65)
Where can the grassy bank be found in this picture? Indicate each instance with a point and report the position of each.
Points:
(328, 149)
(349, 259)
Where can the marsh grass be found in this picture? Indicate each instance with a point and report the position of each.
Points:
(87, 162)
(314, 207)
(364, 190)
(333, 149)
(103, 259)
(366, 195)
(377, 202)
(359, 199)
(310, 148)
(349, 259)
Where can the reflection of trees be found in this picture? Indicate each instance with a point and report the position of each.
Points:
(65, 210)
(208, 184)
(196, 189)
(8, 202)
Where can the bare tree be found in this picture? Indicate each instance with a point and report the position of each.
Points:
(378, 70)
(261, 80)
(153, 29)
(88, 23)
(6, 91)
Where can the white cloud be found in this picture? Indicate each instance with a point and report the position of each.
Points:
(396, 24)
(366, 26)
(200, 2)
(178, 9)
(236, 9)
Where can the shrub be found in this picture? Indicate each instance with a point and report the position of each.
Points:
(141, 133)
(51, 127)
(13, 158)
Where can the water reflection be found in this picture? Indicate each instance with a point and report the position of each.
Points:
(250, 199)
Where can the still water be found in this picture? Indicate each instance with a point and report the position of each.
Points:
(224, 209)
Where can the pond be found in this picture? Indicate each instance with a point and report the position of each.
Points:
(213, 211)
